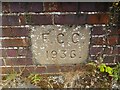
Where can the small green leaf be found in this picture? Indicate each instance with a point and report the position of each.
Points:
(109, 70)
(102, 67)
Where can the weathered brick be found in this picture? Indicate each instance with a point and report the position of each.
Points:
(41, 19)
(112, 40)
(10, 20)
(53, 69)
(111, 50)
(97, 41)
(63, 68)
(20, 7)
(115, 32)
(18, 61)
(97, 19)
(60, 6)
(17, 7)
(70, 68)
(40, 69)
(117, 59)
(81, 19)
(37, 19)
(87, 6)
(95, 50)
(50, 6)
(55, 6)
(15, 32)
(25, 52)
(108, 59)
(75, 6)
(95, 6)
(15, 42)
(36, 7)
(92, 19)
(119, 40)
(5, 7)
(70, 19)
(101, 30)
(9, 53)
(16, 52)
(13, 20)
(98, 30)
(118, 50)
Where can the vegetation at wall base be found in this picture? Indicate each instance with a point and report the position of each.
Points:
(91, 75)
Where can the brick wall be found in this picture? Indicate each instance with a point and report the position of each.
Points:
(17, 17)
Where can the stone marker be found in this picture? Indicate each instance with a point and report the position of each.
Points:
(60, 44)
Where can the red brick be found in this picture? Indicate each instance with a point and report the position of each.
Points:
(98, 30)
(18, 7)
(115, 32)
(15, 32)
(62, 68)
(111, 51)
(60, 6)
(94, 6)
(81, 19)
(112, 40)
(70, 68)
(40, 69)
(95, 50)
(18, 61)
(9, 53)
(25, 52)
(118, 59)
(53, 69)
(16, 52)
(73, 6)
(41, 19)
(97, 19)
(10, 20)
(92, 19)
(119, 39)
(36, 7)
(50, 6)
(118, 50)
(97, 41)
(5, 7)
(70, 19)
(108, 59)
(15, 42)
(36, 19)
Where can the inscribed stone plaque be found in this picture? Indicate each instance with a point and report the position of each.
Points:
(60, 44)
